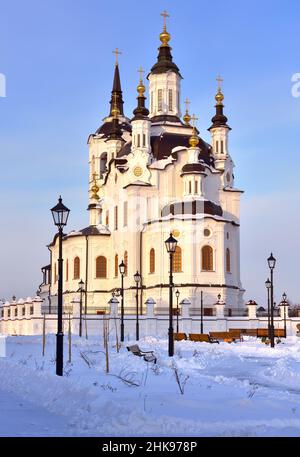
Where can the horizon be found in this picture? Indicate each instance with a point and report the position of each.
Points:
(53, 101)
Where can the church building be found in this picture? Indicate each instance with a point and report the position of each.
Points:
(151, 174)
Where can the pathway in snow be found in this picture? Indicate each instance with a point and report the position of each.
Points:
(22, 418)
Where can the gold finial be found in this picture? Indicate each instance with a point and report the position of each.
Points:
(219, 96)
(117, 52)
(141, 88)
(95, 188)
(165, 36)
(187, 117)
(194, 140)
(115, 110)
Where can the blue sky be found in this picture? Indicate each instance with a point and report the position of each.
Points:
(58, 63)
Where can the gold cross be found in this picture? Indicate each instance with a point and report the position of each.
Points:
(165, 15)
(141, 71)
(220, 80)
(194, 119)
(95, 176)
(117, 52)
(187, 103)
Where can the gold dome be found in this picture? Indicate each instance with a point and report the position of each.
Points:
(187, 118)
(219, 97)
(141, 88)
(95, 188)
(165, 37)
(193, 141)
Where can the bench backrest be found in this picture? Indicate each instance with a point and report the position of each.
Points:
(250, 332)
(134, 349)
(202, 337)
(224, 335)
(180, 336)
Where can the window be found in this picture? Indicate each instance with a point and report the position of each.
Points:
(103, 163)
(116, 265)
(144, 139)
(177, 260)
(67, 270)
(207, 258)
(31, 310)
(228, 269)
(125, 209)
(222, 146)
(8, 313)
(217, 146)
(116, 218)
(152, 260)
(170, 100)
(138, 140)
(16, 312)
(196, 187)
(107, 218)
(55, 272)
(151, 102)
(190, 187)
(77, 268)
(178, 101)
(126, 262)
(159, 100)
(206, 232)
(23, 311)
(101, 267)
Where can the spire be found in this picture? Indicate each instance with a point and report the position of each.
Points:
(164, 58)
(194, 140)
(187, 116)
(116, 89)
(219, 120)
(116, 132)
(140, 111)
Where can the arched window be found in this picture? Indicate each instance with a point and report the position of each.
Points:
(177, 260)
(55, 272)
(77, 268)
(116, 265)
(126, 262)
(103, 163)
(152, 260)
(207, 258)
(228, 269)
(67, 270)
(101, 267)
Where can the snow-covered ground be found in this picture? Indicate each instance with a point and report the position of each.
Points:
(238, 389)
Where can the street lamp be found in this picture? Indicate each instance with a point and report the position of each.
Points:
(285, 304)
(171, 244)
(137, 278)
(272, 263)
(177, 293)
(268, 286)
(60, 215)
(201, 311)
(81, 290)
(122, 269)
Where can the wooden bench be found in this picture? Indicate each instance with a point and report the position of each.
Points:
(147, 355)
(250, 332)
(264, 332)
(228, 337)
(179, 336)
(202, 338)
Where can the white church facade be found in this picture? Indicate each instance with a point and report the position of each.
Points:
(151, 175)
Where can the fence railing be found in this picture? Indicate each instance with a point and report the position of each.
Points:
(265, 313)
(206, 311)
(232, 312)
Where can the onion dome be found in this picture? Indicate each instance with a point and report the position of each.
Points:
(95, 188)
(194, 140)
(219, 120)
(140, 112)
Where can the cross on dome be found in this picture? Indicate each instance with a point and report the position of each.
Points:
(165, 14)
(117, 53)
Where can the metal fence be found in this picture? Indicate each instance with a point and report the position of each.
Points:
(206, 311)
(233, 312)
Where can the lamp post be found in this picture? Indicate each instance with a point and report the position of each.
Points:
(284, 303)
(268, 286)
(177, 293)
(122, 269)
(137, 278)
(60, 215)
(171, 244)
(81, 290)
(272, 263)
(201, 311)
